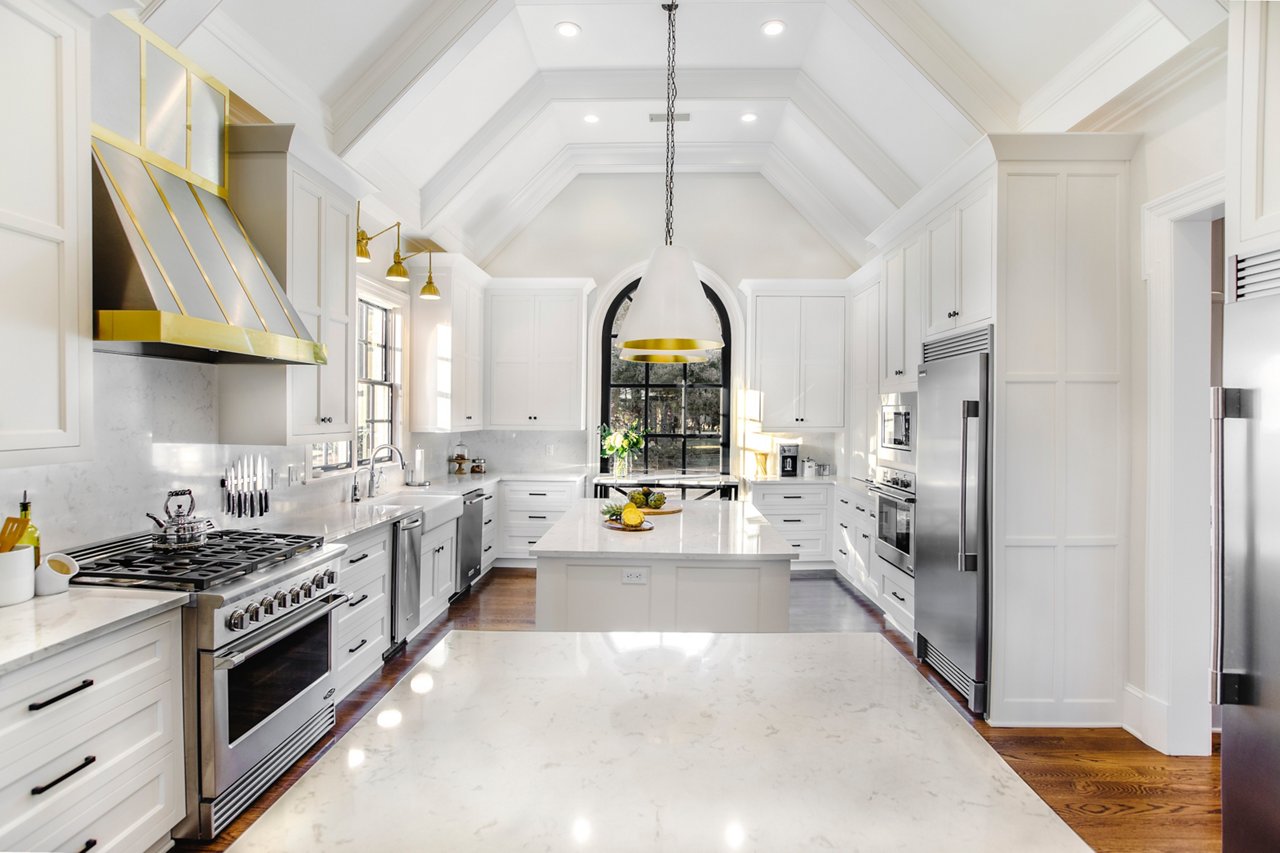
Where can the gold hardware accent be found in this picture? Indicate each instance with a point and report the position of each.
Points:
(429, 290)
(169, 328)
(164, 199)
(671, 343)
(128, 209)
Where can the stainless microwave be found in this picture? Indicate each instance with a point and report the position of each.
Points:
(898, 428)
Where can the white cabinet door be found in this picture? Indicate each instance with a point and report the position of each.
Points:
(512, 354)
(976, 221)
(557, 382)
(45, 325)
(940, 294)
(822, 347)
(865, 386)
(444, 567)
(303, 282)
(892, 328)
(337, 379)
(912, 284)
(777, 345)
(1253, 141)
(472, 374)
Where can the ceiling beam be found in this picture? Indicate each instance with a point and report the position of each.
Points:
(175, 20)
(1193, 18)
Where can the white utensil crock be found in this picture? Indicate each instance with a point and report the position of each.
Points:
(54, 573)
(17, 575)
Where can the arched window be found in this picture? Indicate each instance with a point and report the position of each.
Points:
(682, 408)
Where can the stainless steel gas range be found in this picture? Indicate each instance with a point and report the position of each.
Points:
(258, 653)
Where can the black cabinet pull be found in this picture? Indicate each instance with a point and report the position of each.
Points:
(89, 845)
(865, 536)
(358, 646)
(540, 517)
(488, 497)
(537, 494)
(792, 520)
(844, 526)
(488, 548)
(84, 685)
(860, 508)
(355, 560)
(842, 552)
(793, 497)
(488, 521)
(358, 601)
(533, 541)
(795, 546)
(843, 501)
(40, 789)
(895, 595)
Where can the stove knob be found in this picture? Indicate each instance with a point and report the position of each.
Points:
(331, 577)
(308, 590)
(254, 612)
(295, 596)
(235, 622)
(282, 600)
(268, 605)
(319, 581)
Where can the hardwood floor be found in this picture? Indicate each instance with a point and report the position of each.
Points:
(1116, 793)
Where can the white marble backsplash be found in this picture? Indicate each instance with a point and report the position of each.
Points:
(507, 450)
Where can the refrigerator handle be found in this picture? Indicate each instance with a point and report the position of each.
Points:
(965, 561)
(1224, 687)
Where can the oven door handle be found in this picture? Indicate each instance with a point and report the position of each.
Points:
(238, 656)
(897, 496)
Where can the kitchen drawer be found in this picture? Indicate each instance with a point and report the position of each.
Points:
(114, 740)
(133, 813)
(359, 654)
(490, 506)
(516, 543)
(898, 599)
(116, 666)
(767, 497)
(489, 553)
(489, 529)
(532, 517)
(788, 519)
(370, 592)
(807, 546)
(364, 551)
(538, 495)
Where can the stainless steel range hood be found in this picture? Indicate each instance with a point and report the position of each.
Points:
(174, 272)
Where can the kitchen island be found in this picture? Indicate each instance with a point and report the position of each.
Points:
(715, 566)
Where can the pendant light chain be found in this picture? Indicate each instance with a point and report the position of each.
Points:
(671, 114)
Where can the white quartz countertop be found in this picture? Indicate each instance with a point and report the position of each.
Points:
(794, 481)
(451, 485)
(332, 522)
(47, 624)
(506, 741)
(719, 530)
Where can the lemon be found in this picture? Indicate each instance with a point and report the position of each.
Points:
(632, 517)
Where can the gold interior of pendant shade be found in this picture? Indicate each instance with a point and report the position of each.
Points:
(663, 357)
(672, 344)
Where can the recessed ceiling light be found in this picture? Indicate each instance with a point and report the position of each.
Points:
(772, 28)
(591, 118)
(568, 29)
(749, 117)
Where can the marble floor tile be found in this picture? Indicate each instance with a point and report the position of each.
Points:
(557, 741)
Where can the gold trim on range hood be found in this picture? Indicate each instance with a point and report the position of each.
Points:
(176, 275)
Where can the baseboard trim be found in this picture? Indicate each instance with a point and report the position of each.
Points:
(1146, 718)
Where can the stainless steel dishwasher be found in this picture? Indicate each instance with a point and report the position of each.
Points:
(470, 534)
(406, 587)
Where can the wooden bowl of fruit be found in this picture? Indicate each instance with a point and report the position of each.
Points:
(625, 517)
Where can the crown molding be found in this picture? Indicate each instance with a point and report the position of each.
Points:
(1193, 18)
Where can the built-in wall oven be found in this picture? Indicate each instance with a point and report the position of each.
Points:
(897, 428)
(895, 495)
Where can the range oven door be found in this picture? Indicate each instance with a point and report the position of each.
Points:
(895, 527)
(256, 693)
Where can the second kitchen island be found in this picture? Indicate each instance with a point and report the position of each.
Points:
(717, 566)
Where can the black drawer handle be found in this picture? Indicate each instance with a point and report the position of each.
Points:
(843, 501)
(860, 508)
(488, 521)
(89, 845)
(40, 789)
(537, 494)
(895, 595)
(533, 541)
(843, 525)
(793, 497)
(84, 685)
(792, 520)
(795, 546)
(488, 548)
(488, 497)
(865, 536)
(358, 646)
(355, 560)
(541, 517)
(358, 601)
(843, 553)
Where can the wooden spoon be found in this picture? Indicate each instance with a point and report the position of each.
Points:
(12, 532)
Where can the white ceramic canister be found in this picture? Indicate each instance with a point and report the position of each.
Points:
(54, 574)
(17, 575)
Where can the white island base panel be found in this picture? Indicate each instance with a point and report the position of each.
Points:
(508, 741)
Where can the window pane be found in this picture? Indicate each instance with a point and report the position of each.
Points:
(624, 372)
(664, 410)
(381, 402)
(376, 324)
(702, 412)
(666, 374)
(381, 436)
(626, 405)
(704, 453)
(620, 316)
(664, 453)
(707, 372)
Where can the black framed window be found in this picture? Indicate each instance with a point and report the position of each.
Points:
(378, 361)
(683, 408)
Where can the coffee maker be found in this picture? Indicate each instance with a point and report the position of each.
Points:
(788, 460)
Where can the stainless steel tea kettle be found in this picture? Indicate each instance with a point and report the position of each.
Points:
(182, 528)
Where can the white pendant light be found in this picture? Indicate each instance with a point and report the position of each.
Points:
(653, 356)
(669, 312)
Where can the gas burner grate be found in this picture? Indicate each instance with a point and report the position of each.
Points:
(227, 555)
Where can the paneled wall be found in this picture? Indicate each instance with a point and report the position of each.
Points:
(1060, 438)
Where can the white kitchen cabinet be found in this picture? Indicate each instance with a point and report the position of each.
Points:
(536, 358)
(126, 714)
(302, 223)
(800, 361)
(363, 625)
(900, 317)
(800, 510)
(527, 509)
(439, 556)
(1253, 129)
(45, 200)
(864, 385)
(960, 260)
(447, 350)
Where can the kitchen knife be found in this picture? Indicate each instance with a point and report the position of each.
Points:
(229, 486)
(253, 485)
(264, 484)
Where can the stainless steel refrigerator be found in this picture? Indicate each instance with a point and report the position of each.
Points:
(952, 562)
(1247, 571)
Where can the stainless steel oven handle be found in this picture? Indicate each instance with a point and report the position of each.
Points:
(965, 561)
(904, 497)
(305, 618)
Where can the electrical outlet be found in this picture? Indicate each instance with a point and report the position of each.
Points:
(637, 576)
(551, 450)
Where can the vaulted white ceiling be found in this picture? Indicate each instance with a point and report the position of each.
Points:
(467, 116)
